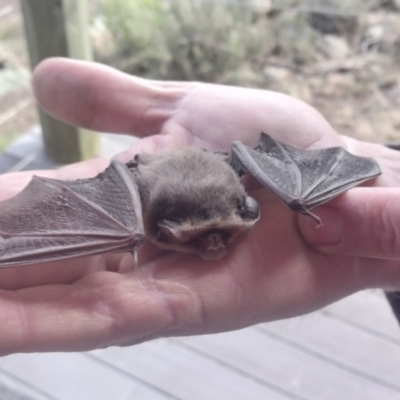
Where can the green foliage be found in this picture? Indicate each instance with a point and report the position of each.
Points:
(7, 136)
(136, 27)
(187, 39)
(133, 22)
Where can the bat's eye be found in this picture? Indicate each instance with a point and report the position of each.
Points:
(249, 209)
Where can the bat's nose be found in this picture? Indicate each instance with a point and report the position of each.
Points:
(212, 246)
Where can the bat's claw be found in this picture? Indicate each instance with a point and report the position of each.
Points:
(313, 216)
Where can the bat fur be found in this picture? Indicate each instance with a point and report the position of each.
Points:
(192, 201)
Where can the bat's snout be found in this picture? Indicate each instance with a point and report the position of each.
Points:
(212, 246)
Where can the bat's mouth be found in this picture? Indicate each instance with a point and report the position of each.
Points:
(208, 239)
(212, 246)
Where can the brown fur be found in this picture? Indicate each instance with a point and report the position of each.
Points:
(190, 201)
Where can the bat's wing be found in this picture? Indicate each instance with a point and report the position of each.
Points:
(52, 220)
(303, 179)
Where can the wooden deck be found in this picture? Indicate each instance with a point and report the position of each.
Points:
(350, 350)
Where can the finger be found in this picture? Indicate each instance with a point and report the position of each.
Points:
(82, 170)
(102, 309)
(363, 222)
(58, 272)
(101, 98)
(178, 297)
(154, 144)
(13, 183)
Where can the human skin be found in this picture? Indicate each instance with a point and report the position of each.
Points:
(270, 273)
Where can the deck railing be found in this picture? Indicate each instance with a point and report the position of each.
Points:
(59, 28)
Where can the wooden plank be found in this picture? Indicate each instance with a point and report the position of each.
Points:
(367, 310)
(243, 364)
(185, 375)
(48, 35)
(76, 22)
(341, 344)
(304, 375)
(12, 388)
(64, 376)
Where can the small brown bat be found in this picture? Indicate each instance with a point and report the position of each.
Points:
(187, 200)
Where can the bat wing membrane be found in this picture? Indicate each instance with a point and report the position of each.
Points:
(348, 171)
(271, 165)
(51, 219)
(302, 179)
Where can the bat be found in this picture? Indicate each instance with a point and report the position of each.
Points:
(188, 200)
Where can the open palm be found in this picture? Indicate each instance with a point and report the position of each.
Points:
(269, 273)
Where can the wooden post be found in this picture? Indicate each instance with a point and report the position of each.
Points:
(59, 28)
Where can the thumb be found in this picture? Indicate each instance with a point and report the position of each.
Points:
(363, 222)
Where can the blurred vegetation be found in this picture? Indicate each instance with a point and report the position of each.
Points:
(340, 56)
(10, 28)
(7, 136)
(227, 41)
(187, 39)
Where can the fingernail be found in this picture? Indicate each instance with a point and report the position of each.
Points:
(331, 231)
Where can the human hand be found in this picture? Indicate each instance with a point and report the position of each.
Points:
(269, 273)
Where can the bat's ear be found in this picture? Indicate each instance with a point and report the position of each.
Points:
(140, 159)
(134, 162)
(229, 159)
(223, 154)
(170, 229)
